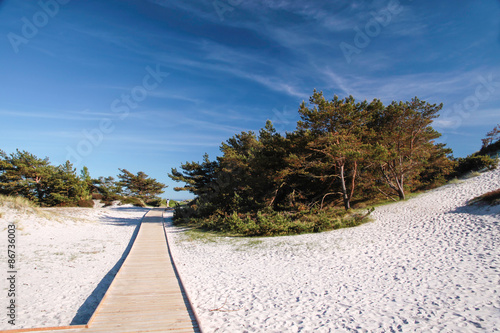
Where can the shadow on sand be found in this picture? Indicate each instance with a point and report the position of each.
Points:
(478, 209)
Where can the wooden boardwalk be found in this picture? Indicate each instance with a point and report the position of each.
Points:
(146, 295)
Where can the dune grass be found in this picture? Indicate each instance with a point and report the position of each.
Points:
(490, 198)
(193, 234)
(455, 181)
(472, 174)
(18, 203)
(24, 205)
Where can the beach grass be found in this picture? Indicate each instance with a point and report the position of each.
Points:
(490, 198)
(17, 202)
(194, 234)
(24, 205)
(472, 174)
(455, 181)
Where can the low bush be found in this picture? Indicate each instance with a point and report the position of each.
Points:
(66, 204)
(491, 149)
(474, 163)
(490, 198)
(271, 223)
(471, 174)
(133, 201)
(156, 202)
(174, 203)
(85, 203)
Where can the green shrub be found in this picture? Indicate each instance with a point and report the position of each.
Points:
(133, 201)
(471, 174)
(66, 204)
(85, 203)
(271, 223)
(155, 202)
(491, 149)
(184, 215)
(474, 163)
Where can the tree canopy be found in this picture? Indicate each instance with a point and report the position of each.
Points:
(24, 174)
(342, 151)
(140, 185)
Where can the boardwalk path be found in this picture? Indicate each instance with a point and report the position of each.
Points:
(146, 294)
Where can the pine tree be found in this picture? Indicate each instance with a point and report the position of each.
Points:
(199, 178)
(402, 141)
(491, 137)
(24, 174)
(140, 185)
(87, 180)
(65, 187)
(107, 187)
(337, 128)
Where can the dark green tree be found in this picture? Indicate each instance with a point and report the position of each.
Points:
(65, 187)
(107, 187)
(342, 152)
(403, 141)
(236, 177)
(87, 179)
(199, 178)
(140, 185)
(269, 165)
(24, 174)
(337, 128)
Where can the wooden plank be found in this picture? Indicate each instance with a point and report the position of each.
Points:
(147, 286)
(59, 329)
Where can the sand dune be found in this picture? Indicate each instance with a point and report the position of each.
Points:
(430, 264)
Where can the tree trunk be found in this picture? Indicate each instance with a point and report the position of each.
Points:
(276, 194)
(401, 190)
(39, 191)
(345, 196)
(353, 181)
(401, 194)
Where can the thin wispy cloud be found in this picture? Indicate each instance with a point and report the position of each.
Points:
(61, 115)
(230, 72)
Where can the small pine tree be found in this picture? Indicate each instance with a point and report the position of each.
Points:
(140, 185)
(24, 174)
(492, 136)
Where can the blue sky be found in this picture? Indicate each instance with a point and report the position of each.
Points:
(148, 85)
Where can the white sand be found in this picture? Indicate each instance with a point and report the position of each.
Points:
(66, 258)
(429, 264)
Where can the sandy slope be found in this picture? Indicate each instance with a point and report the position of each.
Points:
(430, 264)
(64, 256)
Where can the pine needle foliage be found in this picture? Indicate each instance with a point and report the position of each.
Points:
(344, 152)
